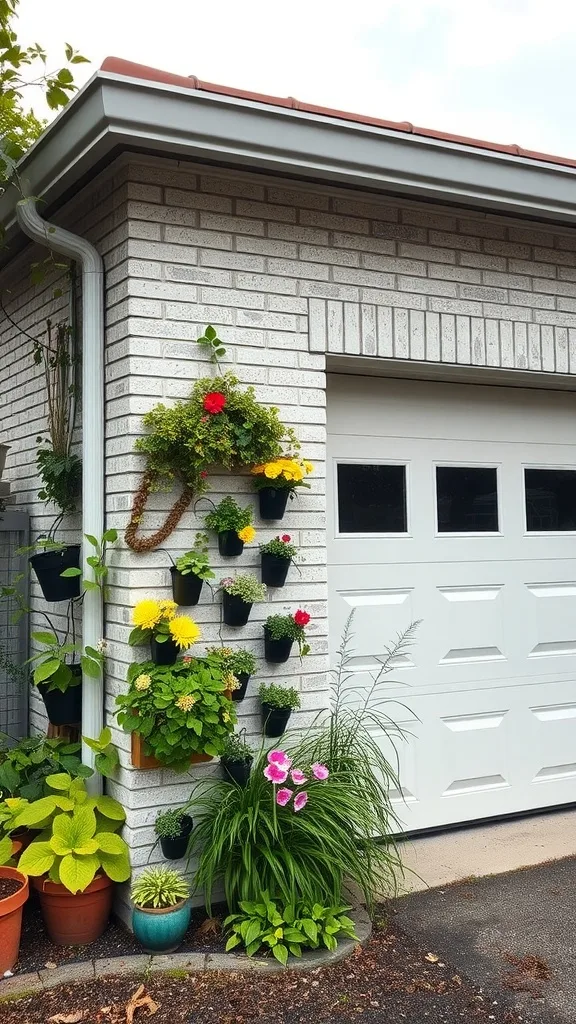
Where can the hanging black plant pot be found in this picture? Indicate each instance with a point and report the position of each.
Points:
(273, 501)
(49, 565)
(163, 653)
(174, 847)
(277, 651)
(274, 569)
(229, 544)
(64, 707)
(235, 611)
(185, 588)
(275, 720)
(237, 771)
(243, 678)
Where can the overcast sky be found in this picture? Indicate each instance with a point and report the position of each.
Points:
(494, 69)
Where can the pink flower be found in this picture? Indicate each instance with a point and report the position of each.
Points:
(300, 800)
(286, 538)
(298, 777)
(283, 796)
(279, 758)
(275, 774)
(320, 771)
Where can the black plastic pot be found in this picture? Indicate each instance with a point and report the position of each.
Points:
(237, 771)
(229, 544)
(185, 588)
(273, 501)
(277, 651)
(235, 611)
(49, 565)
(64, 708)
(243, 678)
(274, 569)
(175, 848)
(275, 720)
(164, 653)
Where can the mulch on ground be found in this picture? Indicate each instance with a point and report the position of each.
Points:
(390, 981)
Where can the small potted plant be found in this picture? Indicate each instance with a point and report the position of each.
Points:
(238, 596)
(156, 623)
(173, 828)
(190, 571)
(14, 891)
(278, 703)
(49, 562)
(240, 663)
(275, 557)
(60, 683)
(277, 481)
(233, 526)
(280, 632)
(161, 913)
(236, 759)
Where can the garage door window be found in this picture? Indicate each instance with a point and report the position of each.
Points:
(550, 500)
(371, 498)
(467, 499)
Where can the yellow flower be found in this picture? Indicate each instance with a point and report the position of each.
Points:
(142, 682)
(258, 469)
(168, 609)
(225, 716)
(146, 613)
(230, 681)
(272, 470)
(247, 534)
(308, 466)
(184, 631)
(186, 702)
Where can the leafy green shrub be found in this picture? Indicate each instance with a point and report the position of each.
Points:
(287, 929)
(159, 888)
(279, 696)
(246, 586)
(280, 546)
(25, 766)
(168, 824)
(235, 660)
(229, 515)
(236, 748)
(61, 476)
(196, 560)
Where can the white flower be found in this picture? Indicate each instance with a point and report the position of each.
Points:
(102, 646)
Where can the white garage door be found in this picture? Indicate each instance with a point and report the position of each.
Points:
(456, 505)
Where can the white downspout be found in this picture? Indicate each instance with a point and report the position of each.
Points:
(79, 249)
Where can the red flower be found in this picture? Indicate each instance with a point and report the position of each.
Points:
(301, 618)
(214, 402)
(203, 473)
(286, 538)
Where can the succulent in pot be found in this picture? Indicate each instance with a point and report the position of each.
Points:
(173, 828)
(276, 557)
(276, 481)
(233, 524)
(236, 759)
(278, 703)
(238, 595)
(280, 632)
(59, 682)
(190, 572)
(240, 663)
(156, 622)
(161, 913)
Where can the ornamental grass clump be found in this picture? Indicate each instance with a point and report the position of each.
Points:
(158, 620)
(158, 888)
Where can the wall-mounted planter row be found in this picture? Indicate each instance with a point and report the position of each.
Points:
(186, 587)
(64, 707)
(48, 566)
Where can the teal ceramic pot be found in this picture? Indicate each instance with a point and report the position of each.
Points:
(161, 931)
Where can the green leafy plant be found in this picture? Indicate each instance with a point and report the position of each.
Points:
(285, 930)
(280, 546)
(246, 586)
(279, 696)
(52, 668)
(106, 760)
(235, 660)
(179, 710)
(228, 515)
(159, 888)
(212, 343)
(97, 561)
(59, 468)
(168, 824)
(78, 835)
(235, 747)
(25, 765)
(289, 627)
(196, 560)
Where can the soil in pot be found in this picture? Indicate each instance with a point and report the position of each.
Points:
(277, 651)
(275, 720)
(174, 847)
(75, 919)
(237, 771)
(274, 569)
(49, 565)
(163, 653)
(13, 895)
(243, 678)
(185, 588)
(235, 611)
(161, 930)
(64, 707)
(273, 501)
(229, 544)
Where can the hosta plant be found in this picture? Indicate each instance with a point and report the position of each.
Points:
(287, 929)
(77, 837)
(159, 887)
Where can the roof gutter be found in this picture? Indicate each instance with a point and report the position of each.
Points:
(76, 248)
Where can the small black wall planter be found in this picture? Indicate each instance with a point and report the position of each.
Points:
(274, 569)
(277, 651)
(237, 771)
(186, 588)
(64, 708)
(174, 847)
(275, 720)
(243, 678)
(235, 611)
(164, 653)
(49, 564)
(229, 544)
(273, 501)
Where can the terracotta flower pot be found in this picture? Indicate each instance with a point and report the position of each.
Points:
(75, 919)
(141, 760)
(11, 919)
